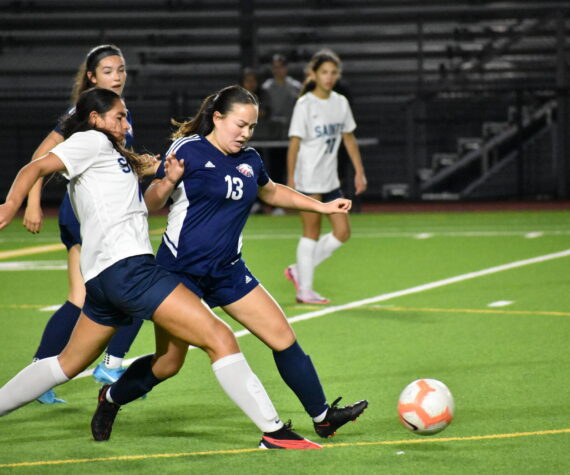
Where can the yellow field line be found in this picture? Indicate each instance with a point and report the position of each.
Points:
(26, 251)
(469, 310)
(422, 440)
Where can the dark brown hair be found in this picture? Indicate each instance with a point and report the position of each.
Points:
(90, 64)
(223, 101)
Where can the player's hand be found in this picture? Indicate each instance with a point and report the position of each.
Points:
(360, 183)
(150, 164)
(338, 206)
(173, 169)
(7, 213)
(33, 219)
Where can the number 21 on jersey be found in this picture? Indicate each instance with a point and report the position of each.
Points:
(235, 187)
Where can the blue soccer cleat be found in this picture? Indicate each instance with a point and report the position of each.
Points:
(49, 397)
(104, 375)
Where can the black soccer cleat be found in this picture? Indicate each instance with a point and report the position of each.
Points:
(102, 422)
(285, 438)
(338, 416)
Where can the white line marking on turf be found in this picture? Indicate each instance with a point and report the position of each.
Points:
(33, 265)
(398, 293)
(51, 308)
(500, 303)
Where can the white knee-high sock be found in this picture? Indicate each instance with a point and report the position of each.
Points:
(305, 262)
(244, 388)
(31, 383)
(326, 245)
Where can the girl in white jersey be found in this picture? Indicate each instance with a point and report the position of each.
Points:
(123, 281)
(104, 66)
(321, 118)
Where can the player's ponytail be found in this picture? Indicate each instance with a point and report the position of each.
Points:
(320, 57)
(223, 101)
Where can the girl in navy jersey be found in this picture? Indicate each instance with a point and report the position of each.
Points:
(202, 242)
(123, 281)
(104, 67)
(321, 119)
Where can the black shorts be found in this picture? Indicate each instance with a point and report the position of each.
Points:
(131, 288)
(230, 285)
(328, 196)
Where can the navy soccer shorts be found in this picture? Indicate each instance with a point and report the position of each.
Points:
(131, 288)
(327, 197)
(230, 284)
(69, 229)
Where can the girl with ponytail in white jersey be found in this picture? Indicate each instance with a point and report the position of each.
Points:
(321, 119)
(104, 67)
(123, 281)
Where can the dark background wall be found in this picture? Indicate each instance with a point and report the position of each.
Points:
(467, 100)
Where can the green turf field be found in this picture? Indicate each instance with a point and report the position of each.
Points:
(480, 301)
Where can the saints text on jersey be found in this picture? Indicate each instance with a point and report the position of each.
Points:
(328, 129)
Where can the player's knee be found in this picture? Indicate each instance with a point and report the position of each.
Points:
(222, 342)
(342, 235)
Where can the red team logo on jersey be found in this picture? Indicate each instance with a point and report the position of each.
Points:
(245, 169)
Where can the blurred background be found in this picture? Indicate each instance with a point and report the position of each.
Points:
(454, 100)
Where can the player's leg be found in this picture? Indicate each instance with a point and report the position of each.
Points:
(86, 343)
(139, 378)
(330, 242)
(261, 315)
(183, 315)
(111, 367)
(60, 325)
(302, 273)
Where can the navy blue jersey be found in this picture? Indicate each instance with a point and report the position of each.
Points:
(210, 206)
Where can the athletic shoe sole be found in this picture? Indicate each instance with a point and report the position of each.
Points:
(270, 443)
(314, 302)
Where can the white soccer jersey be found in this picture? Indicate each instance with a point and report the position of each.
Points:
(319, 123)
(107, 200)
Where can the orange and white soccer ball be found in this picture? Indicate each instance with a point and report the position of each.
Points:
(426, 406)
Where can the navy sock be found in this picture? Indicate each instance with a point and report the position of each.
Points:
(297, 370)
(135, 382)
(123, 339)
(58, 330)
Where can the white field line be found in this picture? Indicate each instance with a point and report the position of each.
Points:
(399, 293)
(156, 234)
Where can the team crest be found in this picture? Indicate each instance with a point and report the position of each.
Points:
(245, 169)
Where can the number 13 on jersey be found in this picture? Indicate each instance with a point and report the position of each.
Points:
(235, 187)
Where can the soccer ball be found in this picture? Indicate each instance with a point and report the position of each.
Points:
(426, 406)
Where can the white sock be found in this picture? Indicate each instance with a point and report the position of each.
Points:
(31, 383)
(242, 386)
(321, 416)
(326, 245)
(113, 362)
(305, 262)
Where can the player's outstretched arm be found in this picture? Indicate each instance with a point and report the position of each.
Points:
(24, 182)
(160, 189)
(282, 196)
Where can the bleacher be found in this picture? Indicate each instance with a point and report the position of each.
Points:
(422, 74)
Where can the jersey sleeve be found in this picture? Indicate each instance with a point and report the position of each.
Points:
(298, 127)
(349, 124)
(262, 176)
(79, 152)
(160, 170)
